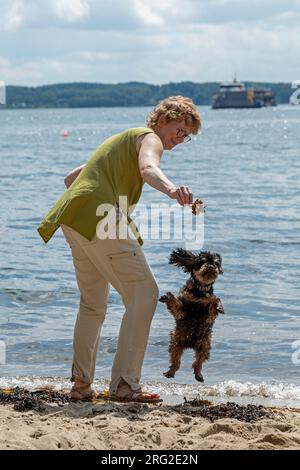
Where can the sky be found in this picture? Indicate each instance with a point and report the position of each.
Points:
(152, 41)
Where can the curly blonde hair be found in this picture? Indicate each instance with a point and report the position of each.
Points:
(176, 108)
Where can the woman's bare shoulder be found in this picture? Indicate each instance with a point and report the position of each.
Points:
(148, 139)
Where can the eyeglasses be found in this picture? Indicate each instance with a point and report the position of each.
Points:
(182, 135)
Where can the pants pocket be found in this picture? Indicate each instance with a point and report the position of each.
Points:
(128, 266)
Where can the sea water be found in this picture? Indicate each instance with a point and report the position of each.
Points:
(245, 166)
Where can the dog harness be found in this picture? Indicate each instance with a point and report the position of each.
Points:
(193, 284)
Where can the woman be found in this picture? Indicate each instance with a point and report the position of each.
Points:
(119, 167)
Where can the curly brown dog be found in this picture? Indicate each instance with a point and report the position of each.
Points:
(195, 308)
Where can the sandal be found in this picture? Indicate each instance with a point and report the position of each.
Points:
(125, 394)
(75, 395)
(81, 391)
(139, 397)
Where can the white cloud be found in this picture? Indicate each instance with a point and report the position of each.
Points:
(71, 10)
(80, 14)
(149, 40)
(90, 56)
(147, 14)
(236, 11)
(30, 72)
(134, 14)
(13, 18)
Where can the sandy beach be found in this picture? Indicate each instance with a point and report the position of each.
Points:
(118, 426)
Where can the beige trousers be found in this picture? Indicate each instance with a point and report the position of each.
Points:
(122, 264)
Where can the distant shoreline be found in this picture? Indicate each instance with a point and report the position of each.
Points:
(131, 94)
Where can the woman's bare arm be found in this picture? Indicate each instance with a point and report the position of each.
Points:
(71, 177)
(149, 160)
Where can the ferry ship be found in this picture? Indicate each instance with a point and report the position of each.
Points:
(235, 95)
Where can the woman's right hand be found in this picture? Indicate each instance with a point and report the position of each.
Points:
(182, 194)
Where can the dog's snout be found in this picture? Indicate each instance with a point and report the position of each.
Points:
(211, 266)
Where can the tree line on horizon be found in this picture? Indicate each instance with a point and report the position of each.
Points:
(86, 95)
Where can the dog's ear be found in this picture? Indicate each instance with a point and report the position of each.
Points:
(183, 259)
(219, 257)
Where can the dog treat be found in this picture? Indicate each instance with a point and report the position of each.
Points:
(198, 207)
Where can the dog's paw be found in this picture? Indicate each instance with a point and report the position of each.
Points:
(220, 308)
(169, 374)
(199, 377)
(166, 298)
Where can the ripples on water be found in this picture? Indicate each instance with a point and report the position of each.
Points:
(245, 166)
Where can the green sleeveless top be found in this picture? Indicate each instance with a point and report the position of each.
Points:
(112, 171)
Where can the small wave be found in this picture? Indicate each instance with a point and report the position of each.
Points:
(278, 391)
(234, 389)
(34, 297)
(33, 383)
(272, 242)
(283, 393)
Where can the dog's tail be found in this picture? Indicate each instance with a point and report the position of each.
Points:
(183, 259)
